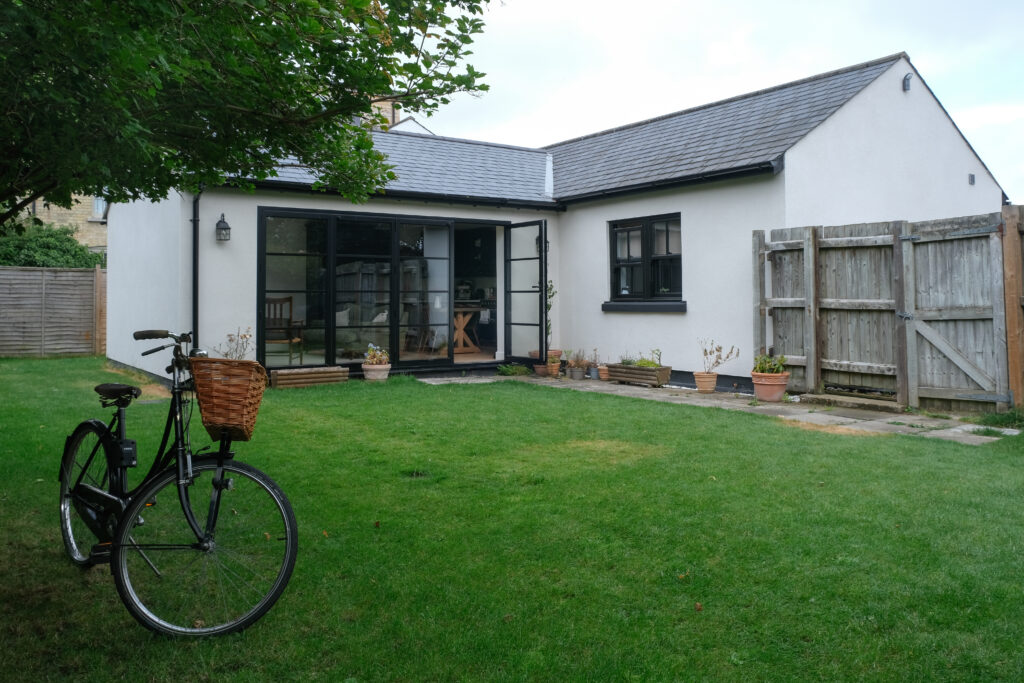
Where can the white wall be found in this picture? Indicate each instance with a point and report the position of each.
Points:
(149, 270)
(717, 220)
(150, 261)
(886, 155)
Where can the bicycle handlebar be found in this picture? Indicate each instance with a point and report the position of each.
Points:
(151, 334)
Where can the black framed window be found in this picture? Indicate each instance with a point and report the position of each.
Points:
(646, 259)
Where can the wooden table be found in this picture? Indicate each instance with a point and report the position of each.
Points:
(462, 316)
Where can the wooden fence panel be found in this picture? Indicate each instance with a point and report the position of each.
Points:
(1013, 294)
(52, 311)
(912, 311)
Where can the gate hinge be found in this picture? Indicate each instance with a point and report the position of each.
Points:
(910, 238)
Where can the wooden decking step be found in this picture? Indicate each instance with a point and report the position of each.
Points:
(852, 402)
(304, 377)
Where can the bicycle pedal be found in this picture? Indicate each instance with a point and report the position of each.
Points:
(100, 553)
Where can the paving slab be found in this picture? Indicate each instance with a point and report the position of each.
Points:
(841, 416)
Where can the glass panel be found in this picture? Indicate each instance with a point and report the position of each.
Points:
(364, 238)
(429, 342)
(352, 342)
(525, 308)
(424, 274)
(296, 235)
(525, 242)
(667, 275)
(667, 237)
(525, 339)
(629, 281)
(423, 240)
(295, 272)
(524, 275)
(627, 244)
(354, 309)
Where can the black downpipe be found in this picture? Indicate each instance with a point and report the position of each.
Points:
(195, 270)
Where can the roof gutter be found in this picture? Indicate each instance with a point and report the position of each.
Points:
(500, 202)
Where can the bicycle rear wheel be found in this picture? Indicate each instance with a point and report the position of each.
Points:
(173, 584)
(84, 465)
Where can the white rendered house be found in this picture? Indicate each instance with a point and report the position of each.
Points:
(644, 231)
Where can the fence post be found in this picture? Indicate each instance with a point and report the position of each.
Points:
(905, 310)
(760, 309)
(1013, 294)
(900, 332)
(812, 372)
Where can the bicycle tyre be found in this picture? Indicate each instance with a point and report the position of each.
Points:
(172, 586)
(85, 453)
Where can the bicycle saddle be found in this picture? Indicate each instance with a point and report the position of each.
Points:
(118, 394)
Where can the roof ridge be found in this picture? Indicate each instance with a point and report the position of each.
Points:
(735, 98)
(444, 138)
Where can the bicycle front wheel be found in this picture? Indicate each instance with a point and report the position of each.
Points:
(176, 584)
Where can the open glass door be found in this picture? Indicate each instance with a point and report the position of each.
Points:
(525, 275)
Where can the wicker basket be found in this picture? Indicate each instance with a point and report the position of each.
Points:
(229, 393)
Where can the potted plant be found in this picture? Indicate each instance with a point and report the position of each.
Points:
(770, 378)
(576, 365)
(593, 365)
(643, 370)
(377, 364)
(713, 358)
(554, 362)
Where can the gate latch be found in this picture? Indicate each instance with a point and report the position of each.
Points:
(903, 315)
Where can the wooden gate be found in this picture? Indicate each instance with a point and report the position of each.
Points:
(901, 311)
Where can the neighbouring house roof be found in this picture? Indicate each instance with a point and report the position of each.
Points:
(749, 133)
(738, 136)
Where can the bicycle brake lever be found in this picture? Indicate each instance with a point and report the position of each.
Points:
(159, 348)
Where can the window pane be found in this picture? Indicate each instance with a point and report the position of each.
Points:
(629, 281)
(296, 235)
(627, 245)
(429, 342)
(525, 242)
(364, 238)
(423, 240)
(667, 237)
(667, 276)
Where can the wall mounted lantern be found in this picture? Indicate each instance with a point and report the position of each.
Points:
(223, 230)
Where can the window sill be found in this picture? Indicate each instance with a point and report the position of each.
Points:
(644, 307)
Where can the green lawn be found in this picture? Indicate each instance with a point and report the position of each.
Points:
(514, 532)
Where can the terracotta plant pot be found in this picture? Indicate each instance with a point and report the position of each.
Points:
(541, 369)
(376, 373)
(602, 372)
(706, 381)
(769, 387)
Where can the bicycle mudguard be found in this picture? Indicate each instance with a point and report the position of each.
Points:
(110, 450)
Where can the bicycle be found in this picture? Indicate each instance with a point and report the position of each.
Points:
(185, 562)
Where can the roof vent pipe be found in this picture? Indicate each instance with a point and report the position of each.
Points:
(906, 82)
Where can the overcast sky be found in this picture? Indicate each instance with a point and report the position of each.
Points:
(559, 69)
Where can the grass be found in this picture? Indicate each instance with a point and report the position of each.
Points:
(516, 532)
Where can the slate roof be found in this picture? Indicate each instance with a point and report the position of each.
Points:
(431, 166)
(740, 135)
(746, 133)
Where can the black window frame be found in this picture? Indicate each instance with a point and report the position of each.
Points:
(646, 300)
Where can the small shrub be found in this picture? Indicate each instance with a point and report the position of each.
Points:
(376, 355)
(513, 370)
(773, 365)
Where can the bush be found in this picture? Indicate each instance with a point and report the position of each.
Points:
(31, 244)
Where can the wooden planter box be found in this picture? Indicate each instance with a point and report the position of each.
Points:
(304, 377)
(632, 374)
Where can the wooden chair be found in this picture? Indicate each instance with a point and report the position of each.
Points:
(281, 328)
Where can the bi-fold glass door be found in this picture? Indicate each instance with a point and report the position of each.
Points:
(333, 285)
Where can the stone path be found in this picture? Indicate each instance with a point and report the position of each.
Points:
(840, 419)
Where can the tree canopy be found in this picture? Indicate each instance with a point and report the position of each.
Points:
(127, 99)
